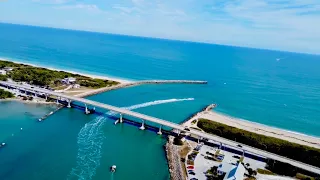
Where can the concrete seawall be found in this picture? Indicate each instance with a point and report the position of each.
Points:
(104, 89)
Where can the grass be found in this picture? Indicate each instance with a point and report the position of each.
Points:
(265, 171)
(302, 176)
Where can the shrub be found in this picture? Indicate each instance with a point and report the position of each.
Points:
(177, 141)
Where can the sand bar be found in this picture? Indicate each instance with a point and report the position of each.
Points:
(259, 128)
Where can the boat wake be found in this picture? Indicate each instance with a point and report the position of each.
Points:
(152, 103)
(90, 141)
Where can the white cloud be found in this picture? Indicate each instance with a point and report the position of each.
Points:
(87, 7)
(138, 2)
(126, 9)
(51, 1)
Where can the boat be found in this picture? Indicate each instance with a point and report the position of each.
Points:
(113, 168)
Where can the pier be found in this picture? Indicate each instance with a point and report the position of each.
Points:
(161, 122)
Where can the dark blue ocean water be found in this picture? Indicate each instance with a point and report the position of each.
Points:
(274, 88)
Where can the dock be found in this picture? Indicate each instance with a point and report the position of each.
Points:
(50, 113)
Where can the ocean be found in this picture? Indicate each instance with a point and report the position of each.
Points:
(274, 88)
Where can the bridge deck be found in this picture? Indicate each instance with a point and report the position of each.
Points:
(169, 124)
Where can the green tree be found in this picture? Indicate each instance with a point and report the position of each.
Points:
(3, 77)
(5, 94)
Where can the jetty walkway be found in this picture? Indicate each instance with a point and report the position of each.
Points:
(136, 83)
(161, 122)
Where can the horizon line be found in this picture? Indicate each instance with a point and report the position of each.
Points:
(161, 38)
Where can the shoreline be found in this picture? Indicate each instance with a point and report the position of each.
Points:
(27, 102)
(121, 81)
(291, 136)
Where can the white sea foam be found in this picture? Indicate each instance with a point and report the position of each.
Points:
(152, 103)
(90, 140)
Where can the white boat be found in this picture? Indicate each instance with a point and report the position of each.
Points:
(113, 168)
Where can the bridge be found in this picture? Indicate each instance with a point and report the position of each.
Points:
(161, 123)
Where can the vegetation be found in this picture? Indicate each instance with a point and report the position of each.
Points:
(3, 77)
(5, 94)
(177, 141)
(45, 77)
(295, 151)
(265, 171)
(289, 170)
(304, 177)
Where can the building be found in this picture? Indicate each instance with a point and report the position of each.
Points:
(3, 72)
(8, 69)
(76, 86)
(69, 80)
(237, 173)
(224, 168)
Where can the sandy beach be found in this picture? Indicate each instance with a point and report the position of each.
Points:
(258, 128)
(73, 72)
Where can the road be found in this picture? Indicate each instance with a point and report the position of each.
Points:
(169, 124)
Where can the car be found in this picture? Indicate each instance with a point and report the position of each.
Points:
(189, 171)
(186, 129)
(205, 139)
(190, 167)
(193, 179)
(192, 173)
(239, 145)
(237, 157)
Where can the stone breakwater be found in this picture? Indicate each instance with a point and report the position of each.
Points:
(174, 160)
(172, 151)
(122, 85)
(204, 109)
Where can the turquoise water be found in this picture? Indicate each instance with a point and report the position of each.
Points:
(71, 145)
(16, 115)
(273, 88)
(270, 87)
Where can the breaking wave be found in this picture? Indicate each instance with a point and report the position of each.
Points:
(90, 141)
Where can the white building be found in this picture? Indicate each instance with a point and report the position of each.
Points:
(3, 72)
(237, 173)
(224, 168)
(8, 69)
(69, 80)
(76, 86)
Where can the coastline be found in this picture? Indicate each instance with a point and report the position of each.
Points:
(257, 128)
(121, 81)
(27, 102)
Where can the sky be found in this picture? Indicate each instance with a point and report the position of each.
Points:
(288, 25)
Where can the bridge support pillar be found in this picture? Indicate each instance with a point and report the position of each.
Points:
(86, 110)
(69, 103)
(142, 126)
(57, 102)
(46, 96)
(159, 132)
(120, 119)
